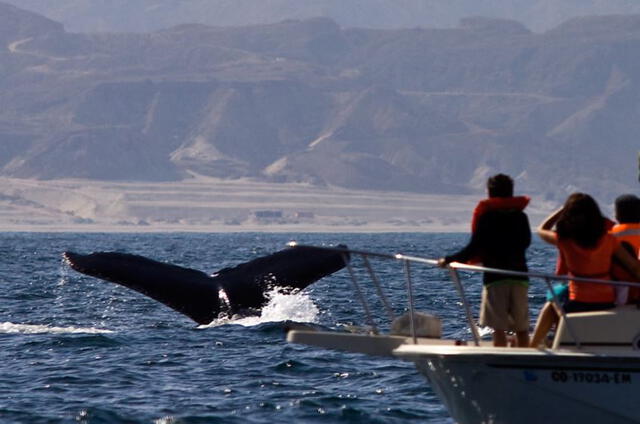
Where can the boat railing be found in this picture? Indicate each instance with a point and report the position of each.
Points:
(454, 274)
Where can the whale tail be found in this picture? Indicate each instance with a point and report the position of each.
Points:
(188, 291)
(293, 268)
(196, 294)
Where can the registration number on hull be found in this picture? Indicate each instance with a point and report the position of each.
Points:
(590, 377)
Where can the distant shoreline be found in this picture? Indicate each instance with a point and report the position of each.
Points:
(228, 229)
(210, 205)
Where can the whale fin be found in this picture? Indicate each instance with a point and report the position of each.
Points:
(293, 268)
(188, 291)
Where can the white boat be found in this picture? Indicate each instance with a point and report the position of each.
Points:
(589, 374)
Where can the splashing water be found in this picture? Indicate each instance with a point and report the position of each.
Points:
(9, 327)
(298, 307)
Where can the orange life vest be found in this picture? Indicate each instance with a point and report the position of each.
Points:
(494, 203)
(589, 263)
(629, 233)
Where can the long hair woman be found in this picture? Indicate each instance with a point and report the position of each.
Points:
(586, 250)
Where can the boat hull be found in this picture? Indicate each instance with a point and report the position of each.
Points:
(540, 387)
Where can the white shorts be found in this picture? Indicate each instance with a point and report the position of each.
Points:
(505, 306)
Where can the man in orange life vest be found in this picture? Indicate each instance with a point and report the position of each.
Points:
(627, 231)
(628, 217)
(500, 236)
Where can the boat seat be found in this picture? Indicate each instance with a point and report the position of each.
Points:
(617, 327)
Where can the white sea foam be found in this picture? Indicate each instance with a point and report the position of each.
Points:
(281, 306)
(9, 327)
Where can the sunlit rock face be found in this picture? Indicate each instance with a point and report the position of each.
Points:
(312, 101)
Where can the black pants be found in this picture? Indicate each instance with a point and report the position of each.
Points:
(575, 306)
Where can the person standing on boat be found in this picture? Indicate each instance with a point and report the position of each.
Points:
(500, 237)
(587, 250)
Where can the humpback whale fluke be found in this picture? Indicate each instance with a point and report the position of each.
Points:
(188, 291)
(196, 294)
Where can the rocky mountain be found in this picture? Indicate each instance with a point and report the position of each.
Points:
(423, 110)
(152, 15)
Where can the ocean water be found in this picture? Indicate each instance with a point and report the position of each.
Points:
(75, 349)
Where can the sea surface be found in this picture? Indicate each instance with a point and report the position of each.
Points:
(75, 349)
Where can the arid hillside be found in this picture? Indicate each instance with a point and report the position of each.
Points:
(310, 102)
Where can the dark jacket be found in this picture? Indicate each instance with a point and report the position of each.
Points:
(500, 241)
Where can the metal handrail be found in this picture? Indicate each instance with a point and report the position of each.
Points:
(453, 268)
(455, 277)
(412, 323)
(471, 268)
(363, 300)
(381, 295)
